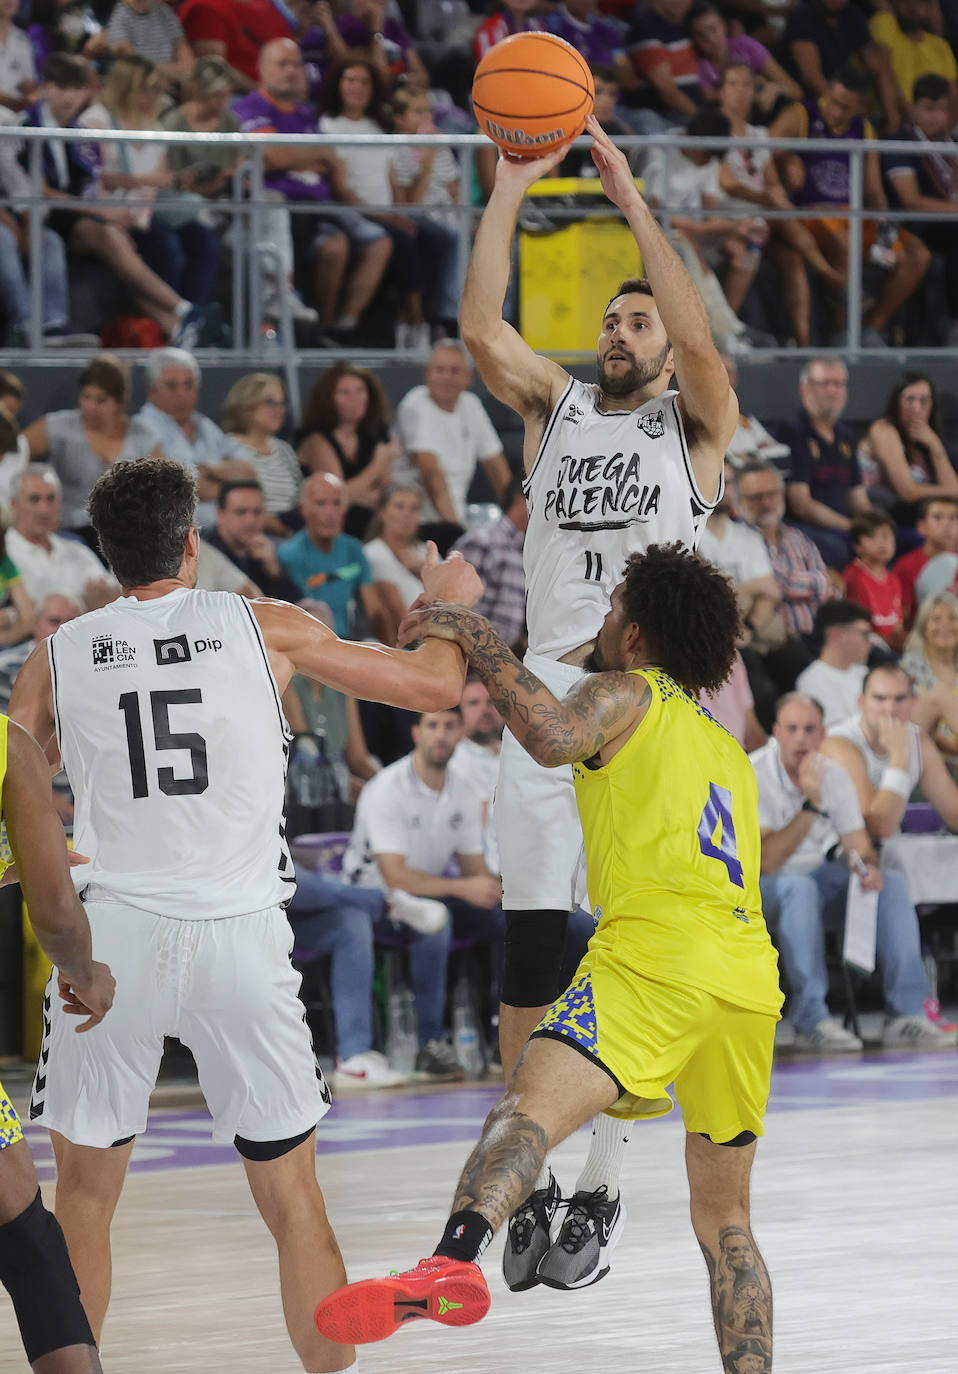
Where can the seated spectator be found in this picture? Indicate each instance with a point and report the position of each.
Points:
(495, 551)
(170, 421)
(819, 181)
(253, 413)
(78, 444)
(412, 821)
(733, 705)
(365, 26)
(691, 181)
(905, 34)
(813, 835)
(217, 573)
(236, 30)
(750, 175)
(54, 611)
(836, 676)
(351, 101)
(320, 556)
(742, 554)
(664, 59)
(514, 17)
(614, 120)
(931, 661)
(17, 611)
(600, 40)
(316, 176)
(343, 921)
(179, 247)
(428, 176)
(15, 293)
(903, 456)
(103, 232)
(345, 431)
(927, 180)
(151, 29)
(476, 757)
(937, 524)
(868, 579)
(821, 39)
(444, 432)
(18, 72)
(239, 534)
(396, 554)
(717, 50)
(51, 563)
(751, 441)
(825, 487)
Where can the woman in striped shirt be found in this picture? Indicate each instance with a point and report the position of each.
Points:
(253, 413)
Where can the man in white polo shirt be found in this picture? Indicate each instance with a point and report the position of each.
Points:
(445, 431)
(836, 676)
(49, 563)
(413, 819)
(813, 834)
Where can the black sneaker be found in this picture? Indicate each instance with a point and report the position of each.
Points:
(589, 1234)
(529, 1237)
(436, 1062)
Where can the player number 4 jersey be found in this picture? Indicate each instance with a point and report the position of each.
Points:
(603, 485)
(173, 737)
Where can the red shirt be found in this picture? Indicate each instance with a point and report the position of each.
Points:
(242, 25)
(881, 596)
(908, 570)
(497, 27)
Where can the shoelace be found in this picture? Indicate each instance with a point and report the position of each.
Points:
(579, 1222)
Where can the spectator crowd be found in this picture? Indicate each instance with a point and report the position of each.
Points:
(362, 245)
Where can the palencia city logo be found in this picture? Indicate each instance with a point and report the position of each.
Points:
(652, 425)
(519, 137)
(110, 652)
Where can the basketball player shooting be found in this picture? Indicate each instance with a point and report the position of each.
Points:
(680, 981)
(609, 469)
(164, 708)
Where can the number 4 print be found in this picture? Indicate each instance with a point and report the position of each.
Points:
(718, 809)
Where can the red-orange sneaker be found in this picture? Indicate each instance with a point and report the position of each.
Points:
(449, 1291)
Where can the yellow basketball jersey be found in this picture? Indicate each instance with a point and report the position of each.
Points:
(674, 852)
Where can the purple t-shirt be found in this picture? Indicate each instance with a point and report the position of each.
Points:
(599, 41)
(741, 49)
(355, 34)
(260, 115)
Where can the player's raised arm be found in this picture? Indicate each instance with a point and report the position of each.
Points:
(512, 371)
(428, 679)
(600, 709)
(40, 853)
(707, 402)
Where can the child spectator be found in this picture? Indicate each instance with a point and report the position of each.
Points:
(868, 579)
(938, 526)
(150, 29)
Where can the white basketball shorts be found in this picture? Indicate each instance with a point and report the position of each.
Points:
(541, 852)
(225, 988)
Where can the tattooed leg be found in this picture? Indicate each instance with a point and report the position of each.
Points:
(741, 1291)
(553, 1091)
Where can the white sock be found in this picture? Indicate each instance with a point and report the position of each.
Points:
(181, 310)
(604, 1162)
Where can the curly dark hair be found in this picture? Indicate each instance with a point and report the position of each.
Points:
(892, 413)
(330, 100)
(320, 414)
(142, 510)
(688, 614)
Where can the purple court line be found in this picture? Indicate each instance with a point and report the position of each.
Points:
(180, 1139)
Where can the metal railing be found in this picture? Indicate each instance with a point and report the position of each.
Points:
(247, 204)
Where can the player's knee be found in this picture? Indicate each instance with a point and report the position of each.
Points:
(533, 946)
(36, 1271)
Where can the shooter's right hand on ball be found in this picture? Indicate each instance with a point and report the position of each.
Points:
(517, 174)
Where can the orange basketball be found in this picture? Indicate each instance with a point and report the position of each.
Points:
(532, 93)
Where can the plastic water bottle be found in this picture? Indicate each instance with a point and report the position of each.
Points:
(466, 1040)
(402, 1029)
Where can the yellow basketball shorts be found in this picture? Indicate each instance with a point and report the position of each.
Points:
(10, 1129)
(647, 1035)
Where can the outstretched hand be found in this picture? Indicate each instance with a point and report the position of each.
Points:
(451, 579)
(613, 167)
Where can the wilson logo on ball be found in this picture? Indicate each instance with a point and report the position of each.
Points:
(519, 137)
(532, 93)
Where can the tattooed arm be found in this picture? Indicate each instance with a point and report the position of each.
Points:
(602, 708)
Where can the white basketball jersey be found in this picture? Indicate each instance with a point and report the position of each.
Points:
(173, 737)
(603, 485)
